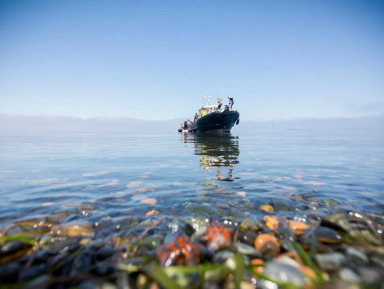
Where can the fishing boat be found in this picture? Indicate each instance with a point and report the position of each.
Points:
(210, 118)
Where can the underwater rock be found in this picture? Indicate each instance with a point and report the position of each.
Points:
(74, 229)
(105, 252)
(347, 275)
(12, 247)
(356, 257)
(248, 224)
(284, 273)
(9, 272)
(246, 237)
(327, 235)
(81, 264)
(330, 261)
(222, 256)
(31, 272)
(337, 221)
(247, 250)
(369, 276)
(266, 208)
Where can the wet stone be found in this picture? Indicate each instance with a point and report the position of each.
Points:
(125, 223)
(267, 244)
(284, 273)
(348, 275)
(288, 261)
(105, 252)
(250, 225)
(379, 260)
(104, 268)
(41, 282)
(12, 247)
(9, 272)
(74, 229)
(222, 256)
(89, 284)
(330, 261)
(338, 222)
(247, 237)
(247, 250)
(41, 256)
(57, 259)
(286, 233)
(152, 242)
(282, 205)
(92, 284)
(369, 276)
(286, 245)
(327, 235)
(339, 285)
(31, 272)
(330, 202)
(356, 257)
(201, 210)
(81, 264)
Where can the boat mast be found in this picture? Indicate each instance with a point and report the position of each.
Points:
(207, 98)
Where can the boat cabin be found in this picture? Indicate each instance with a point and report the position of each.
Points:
(207, 109)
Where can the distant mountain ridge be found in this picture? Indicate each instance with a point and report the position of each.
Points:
(62, 124)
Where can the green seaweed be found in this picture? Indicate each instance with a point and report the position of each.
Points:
(239, 269)
(308, 261)
(159, 275)
(73, 255)
(23, 238)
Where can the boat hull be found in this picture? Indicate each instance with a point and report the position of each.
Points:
(217, 122)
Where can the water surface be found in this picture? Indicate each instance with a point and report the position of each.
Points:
(116, 178)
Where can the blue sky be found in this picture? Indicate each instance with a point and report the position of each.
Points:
(152, 59)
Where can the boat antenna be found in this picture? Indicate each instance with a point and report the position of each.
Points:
(207, 98)
(203, 95)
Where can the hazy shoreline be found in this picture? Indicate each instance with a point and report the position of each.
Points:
(62, 124)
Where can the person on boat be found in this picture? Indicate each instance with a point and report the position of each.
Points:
(231, 102)
(196, 116)
(185, 125)
(220, 103)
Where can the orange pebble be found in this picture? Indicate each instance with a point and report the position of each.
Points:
(150, 201)
(298, 227)
(151, 213)
(267, 244)
(266, 208)
(272, 222)
(257, 262)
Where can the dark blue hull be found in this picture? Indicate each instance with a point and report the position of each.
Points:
(217, 121)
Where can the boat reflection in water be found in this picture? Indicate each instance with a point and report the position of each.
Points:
(220, 151)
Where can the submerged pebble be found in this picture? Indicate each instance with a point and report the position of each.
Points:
(284, 273)
(104, 247)
(330, 261)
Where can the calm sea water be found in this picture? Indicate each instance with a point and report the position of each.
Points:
(116, 177)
